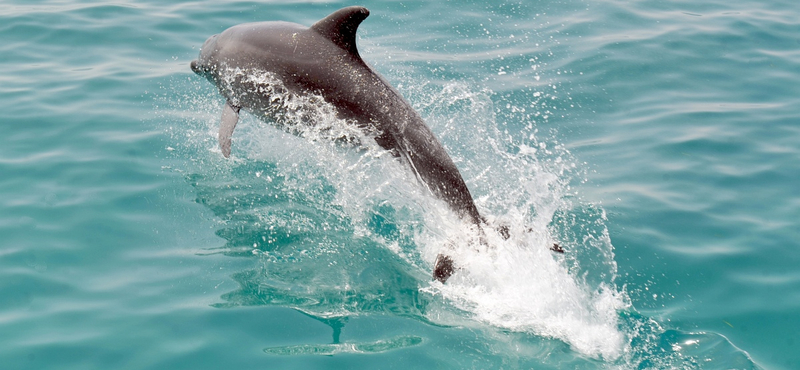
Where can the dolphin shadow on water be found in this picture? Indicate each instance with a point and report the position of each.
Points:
(323, 61)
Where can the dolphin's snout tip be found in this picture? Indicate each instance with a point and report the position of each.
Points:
(194, 66)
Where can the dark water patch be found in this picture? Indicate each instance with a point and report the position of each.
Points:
(339, 348)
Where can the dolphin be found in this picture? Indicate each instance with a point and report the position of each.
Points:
(322, 60)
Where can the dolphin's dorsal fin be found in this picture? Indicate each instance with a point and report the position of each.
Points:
(340, 27)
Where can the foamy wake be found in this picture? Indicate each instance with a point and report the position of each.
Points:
(520, 285)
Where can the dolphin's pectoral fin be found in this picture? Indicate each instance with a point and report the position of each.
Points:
(340, 27)
(230, 116)
(443, 268)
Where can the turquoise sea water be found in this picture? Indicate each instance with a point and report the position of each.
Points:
(657, 142)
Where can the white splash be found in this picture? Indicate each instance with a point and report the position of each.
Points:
(522, 182)
(520, 285)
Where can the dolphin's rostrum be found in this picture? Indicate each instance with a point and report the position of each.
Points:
(323, 60)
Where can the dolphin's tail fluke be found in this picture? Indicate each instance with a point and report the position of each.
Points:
(443, 268)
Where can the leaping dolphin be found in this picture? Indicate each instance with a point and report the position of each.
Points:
(323, 60)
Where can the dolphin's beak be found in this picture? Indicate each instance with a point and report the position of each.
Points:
(203, 70)
(196, 68)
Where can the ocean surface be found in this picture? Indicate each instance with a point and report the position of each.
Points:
(657, 142)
